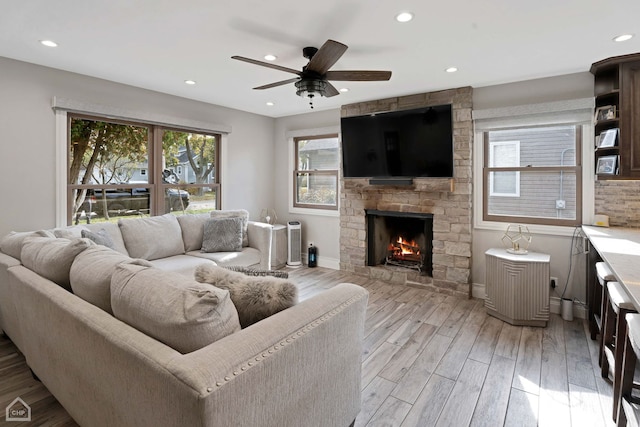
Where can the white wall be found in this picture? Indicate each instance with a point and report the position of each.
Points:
(323, 231)
(27, 140)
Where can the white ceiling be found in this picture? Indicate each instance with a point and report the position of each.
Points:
(157, 44)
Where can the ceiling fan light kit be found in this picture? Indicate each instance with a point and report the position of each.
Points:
(309, 88)
(314, 78)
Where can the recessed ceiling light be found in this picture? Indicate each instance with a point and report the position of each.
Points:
(344, 89)
(404, 17)
(190, 82)
(451, 70)
(49, 43)
(270, 104)
(623, 38)
(270, 57)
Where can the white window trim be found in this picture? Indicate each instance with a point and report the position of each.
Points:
(291, 167)
(517, 163)
(577, 111)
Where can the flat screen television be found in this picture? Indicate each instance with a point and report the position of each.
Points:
(399, 144)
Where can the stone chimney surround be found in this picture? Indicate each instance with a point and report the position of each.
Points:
(449, 200)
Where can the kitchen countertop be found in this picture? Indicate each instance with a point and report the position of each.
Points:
(619, 247)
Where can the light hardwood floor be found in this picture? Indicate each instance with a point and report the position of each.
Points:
(429, 359)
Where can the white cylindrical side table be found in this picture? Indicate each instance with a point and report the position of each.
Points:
(517, 287)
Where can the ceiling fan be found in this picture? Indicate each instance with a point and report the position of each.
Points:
(314, 78)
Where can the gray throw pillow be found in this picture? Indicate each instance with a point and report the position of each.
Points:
(240, 213)
(255, 297)
(222, 235)
(100, 237)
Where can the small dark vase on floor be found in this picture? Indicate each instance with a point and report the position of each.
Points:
(313, 256)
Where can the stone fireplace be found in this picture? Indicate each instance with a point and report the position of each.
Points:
(400, 239)
(445, 202)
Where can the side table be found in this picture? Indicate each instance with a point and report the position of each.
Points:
(517, 287)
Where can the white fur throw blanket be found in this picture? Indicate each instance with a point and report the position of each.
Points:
(255, 297)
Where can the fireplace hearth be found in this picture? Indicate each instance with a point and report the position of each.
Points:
(400, 239)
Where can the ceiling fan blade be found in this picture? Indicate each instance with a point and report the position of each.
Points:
(283, 82)
(330, 90)
(358, 75)
(266, 64)
(326, 56)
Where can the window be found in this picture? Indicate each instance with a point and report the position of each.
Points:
(532, 174)
(315, 181)
(504, 154)
(119, 168)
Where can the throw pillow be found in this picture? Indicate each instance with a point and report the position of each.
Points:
(170, 307)
(52, 258)
(90, 275)
(255, 297)
(258, 272)
(222, 235)
(152, 238)
(100, 237)
(241, 213)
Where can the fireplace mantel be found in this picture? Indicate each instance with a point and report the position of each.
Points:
(440, 185)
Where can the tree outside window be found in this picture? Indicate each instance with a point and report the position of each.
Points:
(113, 171)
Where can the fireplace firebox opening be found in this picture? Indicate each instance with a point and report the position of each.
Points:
(400, 239)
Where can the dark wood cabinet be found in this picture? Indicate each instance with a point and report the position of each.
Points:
(617, 87)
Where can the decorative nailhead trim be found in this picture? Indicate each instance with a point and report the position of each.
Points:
(293, 336)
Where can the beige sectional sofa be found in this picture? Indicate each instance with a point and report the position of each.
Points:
(298, 367)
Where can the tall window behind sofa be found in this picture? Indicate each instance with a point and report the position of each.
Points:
(118, 169)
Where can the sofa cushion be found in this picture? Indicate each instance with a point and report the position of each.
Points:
(52, 258)
(222, 235)
(91, 272)
(192, 226)
(255, 297)
(100, 237)
(183, 264)
(11, 244)
(153, 237)
(248, 257)
(73, 232)
(180, 312)
(240, 213)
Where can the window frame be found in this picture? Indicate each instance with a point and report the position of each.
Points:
(324, 172)
(492, 191)
(577, 169)
(153, 170)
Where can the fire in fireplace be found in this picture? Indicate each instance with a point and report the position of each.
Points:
(404, 253)
(402, 239)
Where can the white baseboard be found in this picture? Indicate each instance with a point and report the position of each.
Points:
(325, 262)
(579, 311)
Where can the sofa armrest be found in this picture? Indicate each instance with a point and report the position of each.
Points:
(301, 366)
(259, 234)
(8, 317)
